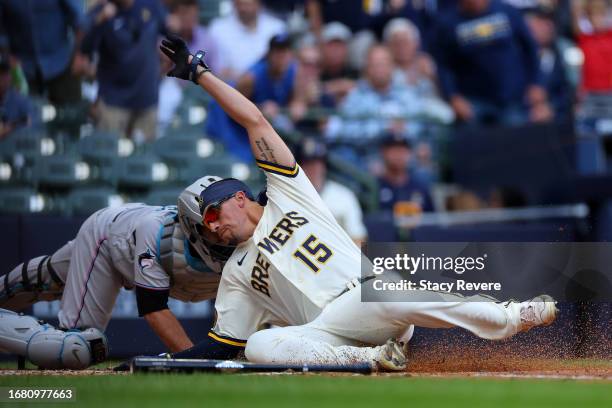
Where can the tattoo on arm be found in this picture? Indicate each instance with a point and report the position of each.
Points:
(265, 151)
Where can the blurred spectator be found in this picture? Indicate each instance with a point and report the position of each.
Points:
(124, 34)
(15, 109)
(398, 191)
(351, 13)
(284, 8)
(308, 90)
(18, 78)
(552, 66)
(356, 15)
(464, 201)
(382, 102)
(170, 95)
(593, 29)
(559, 10)
(413, 66)
(419, 12)
(488, 64)
(377, 104)
(196, 36)
(243, 37)
(269, 83)
(425, 170)
(336, 73)
(342, 202)
(43, 35)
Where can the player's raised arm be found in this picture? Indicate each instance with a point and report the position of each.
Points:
(266, 144)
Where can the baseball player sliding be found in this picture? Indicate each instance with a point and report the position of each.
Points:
(296, 270)
(159, 251)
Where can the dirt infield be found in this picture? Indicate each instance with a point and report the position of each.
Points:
(460, 354)
(493, 365)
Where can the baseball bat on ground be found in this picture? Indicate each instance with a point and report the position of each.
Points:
(156, 365)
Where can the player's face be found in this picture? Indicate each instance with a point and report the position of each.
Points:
(227, 219)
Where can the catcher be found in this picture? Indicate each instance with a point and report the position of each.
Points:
(159, 252)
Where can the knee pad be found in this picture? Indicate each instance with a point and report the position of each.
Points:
(34, 280)
(48, 347)
(73, 349)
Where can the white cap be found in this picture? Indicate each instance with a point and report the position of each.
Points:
(336, 31)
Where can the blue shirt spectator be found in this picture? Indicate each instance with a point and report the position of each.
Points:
(38, 35)
(487, 57)
(396, 185)
(126, 41)
(41, 34)
(269, 83)
(267, 88)
(552, 67)
(409, 191)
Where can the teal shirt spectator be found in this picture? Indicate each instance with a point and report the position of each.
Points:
(129, 66)
(41, 34)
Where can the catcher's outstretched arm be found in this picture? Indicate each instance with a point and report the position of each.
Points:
(266, 144)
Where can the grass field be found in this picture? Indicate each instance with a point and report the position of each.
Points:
(214, 390)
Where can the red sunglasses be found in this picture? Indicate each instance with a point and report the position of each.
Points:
(213, 211)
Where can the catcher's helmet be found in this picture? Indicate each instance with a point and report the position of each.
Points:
(203, 240)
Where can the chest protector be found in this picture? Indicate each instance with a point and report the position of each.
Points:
(192, 279)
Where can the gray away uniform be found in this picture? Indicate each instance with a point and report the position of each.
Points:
(133, 245)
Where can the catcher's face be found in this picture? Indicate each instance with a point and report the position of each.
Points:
(227, 219)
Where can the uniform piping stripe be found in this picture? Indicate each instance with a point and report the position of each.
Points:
(91, 266)
(53, 273)
(25, 279)
(278, 169)
(230, 341)
(39, 273)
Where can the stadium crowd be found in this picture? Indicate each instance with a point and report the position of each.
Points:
(372, 82)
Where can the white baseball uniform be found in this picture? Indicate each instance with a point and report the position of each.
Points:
(293, 274)
(126, 246)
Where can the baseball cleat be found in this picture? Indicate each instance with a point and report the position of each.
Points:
(539, 311)
(391, 356)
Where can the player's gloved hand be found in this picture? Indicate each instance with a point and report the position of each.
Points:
(176, 49)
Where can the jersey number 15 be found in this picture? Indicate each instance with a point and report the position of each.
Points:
(315, 253)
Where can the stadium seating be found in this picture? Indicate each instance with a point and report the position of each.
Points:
(86, 200)
(141, 172)
(61, 171)
(162, 196)
(20, 200)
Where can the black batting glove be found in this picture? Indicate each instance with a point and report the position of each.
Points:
(176, 49)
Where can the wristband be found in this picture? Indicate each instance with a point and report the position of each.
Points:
(193, 66)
